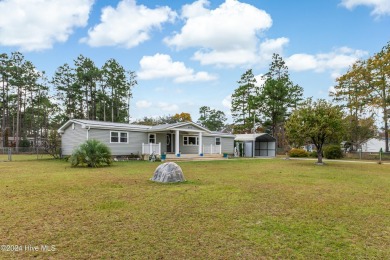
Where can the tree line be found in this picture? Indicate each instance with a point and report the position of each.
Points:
(364, 91)
(265, 107)
(31, 104)
(277, 106)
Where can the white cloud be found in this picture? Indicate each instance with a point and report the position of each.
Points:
(162, 66)
(334, 75)
(195, 9)
(380, 7)
(128, 25)
(271, 46)
(143, 104)
(229, 58)
(331, 90)
(302, 62)
(227, 102)
(36, 25)
(259, 80)
(333, 61)
(227, 36)
(168, 107)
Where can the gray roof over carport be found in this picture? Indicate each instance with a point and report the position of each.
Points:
(261, 137)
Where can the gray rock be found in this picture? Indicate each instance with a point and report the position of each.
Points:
(168, 172)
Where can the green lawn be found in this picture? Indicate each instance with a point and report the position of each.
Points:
(231, 209)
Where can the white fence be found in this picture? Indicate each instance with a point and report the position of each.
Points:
(212, 149)
(150, 148)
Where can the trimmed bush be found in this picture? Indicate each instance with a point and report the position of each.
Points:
(92, 153)
(333, 152)
(298, 153)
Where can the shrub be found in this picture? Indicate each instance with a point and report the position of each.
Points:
(24, 143)
(298, 153)
(313, 154)
(333, 152)
(92, 153)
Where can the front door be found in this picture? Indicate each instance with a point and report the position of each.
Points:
(170, 143)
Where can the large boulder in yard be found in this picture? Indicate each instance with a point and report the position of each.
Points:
(168, 172)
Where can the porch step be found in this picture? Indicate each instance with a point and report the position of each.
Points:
(188, 157)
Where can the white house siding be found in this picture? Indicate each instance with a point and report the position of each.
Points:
(188, 149)
(134, 139)
(71, 138)
(226, 142)
(373, 145)
(227, 145)
(207, 140)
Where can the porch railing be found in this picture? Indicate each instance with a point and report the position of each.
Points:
(212, 149)
(150, 148)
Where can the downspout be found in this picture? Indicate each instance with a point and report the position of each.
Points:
(88, 132)
(253, 148)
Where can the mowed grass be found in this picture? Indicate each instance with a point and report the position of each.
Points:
(233, 209)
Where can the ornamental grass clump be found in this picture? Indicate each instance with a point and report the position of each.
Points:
(295, 152)
(92, 153)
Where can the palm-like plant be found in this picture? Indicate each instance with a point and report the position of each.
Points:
(92, 153)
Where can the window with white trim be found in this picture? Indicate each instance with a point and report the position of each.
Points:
(152, 138)
(217, 140)
(118, 137)
(190, 140)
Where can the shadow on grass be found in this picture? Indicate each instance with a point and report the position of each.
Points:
(187, 182)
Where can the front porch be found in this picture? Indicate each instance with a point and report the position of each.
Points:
(180, 139)
(193, 157)
(207, 149)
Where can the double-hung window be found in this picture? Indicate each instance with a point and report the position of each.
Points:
(118, 137)
(190, 140)
(152, 138)
(217, 140)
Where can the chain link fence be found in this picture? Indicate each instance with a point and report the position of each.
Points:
(367, 156)
(23, 153)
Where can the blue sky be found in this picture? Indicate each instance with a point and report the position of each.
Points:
(188, 54)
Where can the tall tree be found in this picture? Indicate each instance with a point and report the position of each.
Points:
(358, 131)
(87, 75)
(116, 92)
(4, 79)
(182, 117)
(243, 103)
(156, 121)
(379, 65)
(17, 81)
(277, 97)
(68, 93)
(366, 87)
(212, 119)
(315, 122)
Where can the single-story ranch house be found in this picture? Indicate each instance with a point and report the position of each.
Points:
(126, 139)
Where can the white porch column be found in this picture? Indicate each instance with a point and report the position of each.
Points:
(200, 143)
(177, 142)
